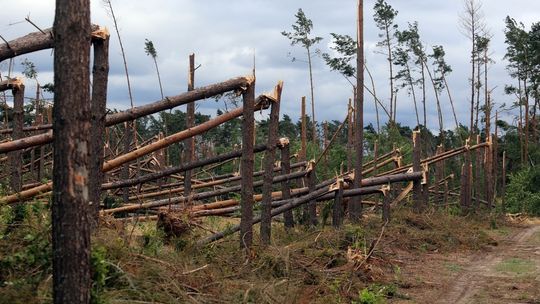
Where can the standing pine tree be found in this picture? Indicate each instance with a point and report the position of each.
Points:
(384, 19)
(301, 35)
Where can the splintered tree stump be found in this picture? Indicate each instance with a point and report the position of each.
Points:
(176, 224)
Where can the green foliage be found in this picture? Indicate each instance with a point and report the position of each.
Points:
(29, 71)
(523, 192)
(100, 271)
(345, 46)
(301, 33)
(149, 48)
(366, 296)
(152, 240)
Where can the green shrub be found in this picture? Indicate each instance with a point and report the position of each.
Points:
(523, 192)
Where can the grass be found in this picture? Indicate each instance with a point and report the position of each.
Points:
(453, 267)
(135, 262)
(516, 266)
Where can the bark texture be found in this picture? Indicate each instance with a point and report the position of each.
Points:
(72, 124)
(100, 76)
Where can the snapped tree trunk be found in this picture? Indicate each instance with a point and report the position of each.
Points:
(190, 122)
(266, 219)
(246, 229)
(99, 108)
(355, 210)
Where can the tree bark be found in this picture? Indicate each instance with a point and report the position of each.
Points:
(190, 122)
(137, 112)
(417, 186)
(99, 107)
(246, 229)
(285, 185)
(337, 214)
(179, 169)
(174, 138)
(72, 124)
(266, 222)
(355, 210)
(18, 120)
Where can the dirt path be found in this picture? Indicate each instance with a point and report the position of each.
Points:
(508, 274)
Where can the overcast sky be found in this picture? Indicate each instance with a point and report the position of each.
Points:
(224, 35)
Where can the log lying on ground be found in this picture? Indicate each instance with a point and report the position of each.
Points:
(262, 103)
(179, 169)
(29, 128)
(289, 205)
(325, 197)
(137, 112)
(197, 196)
(437, 158)
(212, 183)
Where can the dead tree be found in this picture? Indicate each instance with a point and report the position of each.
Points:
(137, 112)
(266, 219)
(417, 186)
(18, 120)
(337, 214)
(355, 209)
(248, 121)
(100, 73)
(72, 124)
(190, 122)
(124, 172)
(285, 185)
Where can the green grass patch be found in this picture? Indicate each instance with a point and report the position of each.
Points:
(453, 267)
(516, 266)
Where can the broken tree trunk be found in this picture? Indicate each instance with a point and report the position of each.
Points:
(337, 214)
(190, 122)
(285, 185)
(246, 226)
(174, 170)
(18, 120)
(177, 137)
(238, 83)
(289, 205)
(100, 76)
(417, 186)
(266, 223)
(355, 209)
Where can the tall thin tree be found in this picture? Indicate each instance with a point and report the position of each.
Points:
(301, 35)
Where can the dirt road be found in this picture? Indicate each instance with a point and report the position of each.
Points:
(508, 274)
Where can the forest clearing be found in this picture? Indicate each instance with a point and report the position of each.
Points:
(412, 192)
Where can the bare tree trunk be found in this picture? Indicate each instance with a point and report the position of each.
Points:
(266, 218)
(124, 174)
(246, 229)
(350, 138)
(312, 204)
(314, 122)
(303, 150)
(190, 122)
(285, 185)
(99, 108)
(417, 185)
(72, 124)
(466, 172)
(355, 210)
(439, 172)
(337, 214)
(18, 120)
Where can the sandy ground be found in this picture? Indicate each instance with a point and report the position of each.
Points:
(506, 273)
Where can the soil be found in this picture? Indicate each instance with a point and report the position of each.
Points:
(507, 272)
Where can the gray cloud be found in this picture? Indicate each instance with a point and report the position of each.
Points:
(225, 35)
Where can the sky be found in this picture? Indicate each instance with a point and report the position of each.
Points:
(226, 35)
